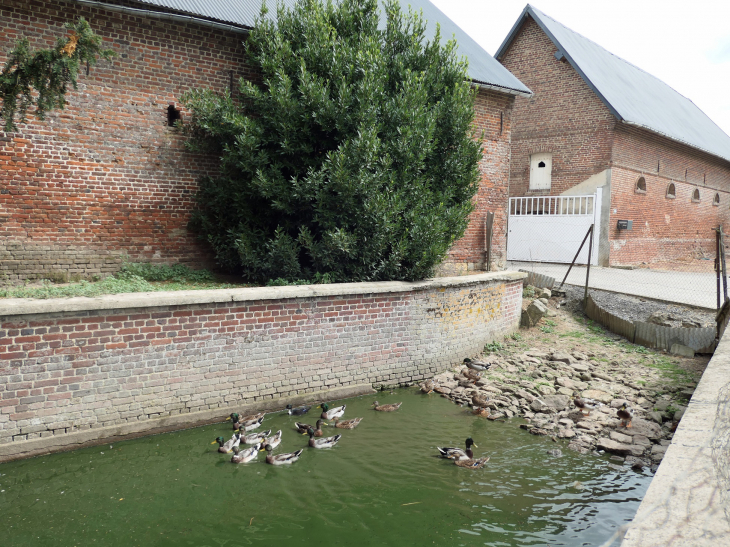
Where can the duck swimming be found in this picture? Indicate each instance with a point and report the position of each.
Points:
(386, 408)
(471, 463)
(301, 411)
(304, 428)
(245, 456)
(272, 441)
(282, 459)
(347, 424)
(458, 453)
(227, 446)
(330, 413)
(246, 423)
(253, 438)
(325, 442)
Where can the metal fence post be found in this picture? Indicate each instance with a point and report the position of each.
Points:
(588, 268)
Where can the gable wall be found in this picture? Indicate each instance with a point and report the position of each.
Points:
(106, 177)
(563, 117)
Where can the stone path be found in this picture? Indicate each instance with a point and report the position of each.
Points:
(690, 288)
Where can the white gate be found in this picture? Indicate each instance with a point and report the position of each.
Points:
(551, 228)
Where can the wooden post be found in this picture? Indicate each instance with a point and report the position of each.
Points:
(722, 261)
(717, 264)
(576, 256)
(489, 225)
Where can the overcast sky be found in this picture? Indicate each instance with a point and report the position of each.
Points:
(684, 43)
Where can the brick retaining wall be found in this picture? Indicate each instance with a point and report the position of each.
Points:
(83, 369)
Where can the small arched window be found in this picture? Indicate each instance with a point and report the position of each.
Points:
(716, 200)
(640, 186)
(173, 115)
(671, 191)
(696, 195)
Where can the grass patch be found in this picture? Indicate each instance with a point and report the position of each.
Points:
(493, 347)
(547, 329)
(669, 369)
(131, 278)
(516, 336)
(528, 292)
(573, 334)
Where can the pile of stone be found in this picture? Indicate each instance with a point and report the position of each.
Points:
(537, 309)
(540, 386)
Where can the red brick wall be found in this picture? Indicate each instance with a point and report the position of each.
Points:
(665, 229)
(107, 177)
(563, 117)
(493, 117)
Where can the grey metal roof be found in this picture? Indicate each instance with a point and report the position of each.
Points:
(633, 95)
(483, 68)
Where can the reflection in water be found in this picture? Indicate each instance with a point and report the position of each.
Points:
(381, 485)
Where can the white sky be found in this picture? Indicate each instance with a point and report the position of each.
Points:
(685, 43)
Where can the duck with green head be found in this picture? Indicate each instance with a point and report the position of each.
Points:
(281, 459)
(330, 413)
(245, 456)
(458, 453)
(304, 428)
(227, 446)
(326, 442)
(246, 423)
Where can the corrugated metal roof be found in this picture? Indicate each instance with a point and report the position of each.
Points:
(483, 68)
(633, 95)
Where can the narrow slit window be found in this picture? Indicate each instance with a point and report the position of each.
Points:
(716, 200)
(671, 191)
(173, 114)
(696, 195)
(640, 186)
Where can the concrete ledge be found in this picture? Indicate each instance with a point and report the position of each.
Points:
(29, 306)
(132, 430)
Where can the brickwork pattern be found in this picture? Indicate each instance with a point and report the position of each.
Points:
(107, 175)
(66, 372)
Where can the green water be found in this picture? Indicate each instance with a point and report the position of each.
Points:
(379, 486)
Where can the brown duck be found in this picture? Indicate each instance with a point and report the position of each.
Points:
(347, 424)
(386, 408)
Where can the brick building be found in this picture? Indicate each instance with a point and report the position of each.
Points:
(596, 123)
(108, 178)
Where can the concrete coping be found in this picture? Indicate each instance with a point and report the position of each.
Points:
(32, 306)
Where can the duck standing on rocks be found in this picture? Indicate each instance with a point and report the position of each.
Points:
(301, 411)
(386, 408)
(585, 405)
(625, 414)
(480, 402)
(458, 453)
(281, 459)
(472, 375)
(326, 442)
(245, 456)
(479, 366)
(224, 446)
(472, 463)
(304, 428)
(330, 413)
(347, 424)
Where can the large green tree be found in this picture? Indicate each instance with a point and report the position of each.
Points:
(352, 159)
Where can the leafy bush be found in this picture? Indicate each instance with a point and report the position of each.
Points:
(353, 158)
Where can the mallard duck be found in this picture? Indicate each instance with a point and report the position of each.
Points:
(245, 456)
(471, 463)
(386, 408)
(472, 375)
(325, 442)
(477, 365)
(626, 414)
(253, 438)
(329, 413)
(458, 453)
(347, 424)
(273, 441)
(304, 428)
(480, 402)
(282, 459)
(227, 446)
(428, 386)
(585, 404)
(301, 411)
(246, 423)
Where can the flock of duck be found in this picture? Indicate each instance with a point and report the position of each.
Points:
(265, 441)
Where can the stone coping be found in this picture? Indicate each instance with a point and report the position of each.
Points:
(32, 306)
(686, 503)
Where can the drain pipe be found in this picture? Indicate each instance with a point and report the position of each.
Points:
(162, 15)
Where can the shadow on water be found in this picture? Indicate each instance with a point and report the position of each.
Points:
(381, 485)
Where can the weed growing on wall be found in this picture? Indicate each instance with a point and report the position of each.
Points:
(354, 158)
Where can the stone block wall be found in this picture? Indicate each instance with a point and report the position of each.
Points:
(92, 368)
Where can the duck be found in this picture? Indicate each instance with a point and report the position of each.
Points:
(386, 408)
(428, 386)
(246, 423)
(479, 366)
(304, 428)
(472, 375)
(480, 402)
(347, 424)
(273, 441)
(458, 453)
(585, 404)
(281, 459)
(227, 446)
(472, 463)
(253, 438)
(329, 413)
(245, 456)
(326, 442)
(301, 411)
(625, 414)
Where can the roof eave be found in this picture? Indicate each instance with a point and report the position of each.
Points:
(675, 139)
(502, 89)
